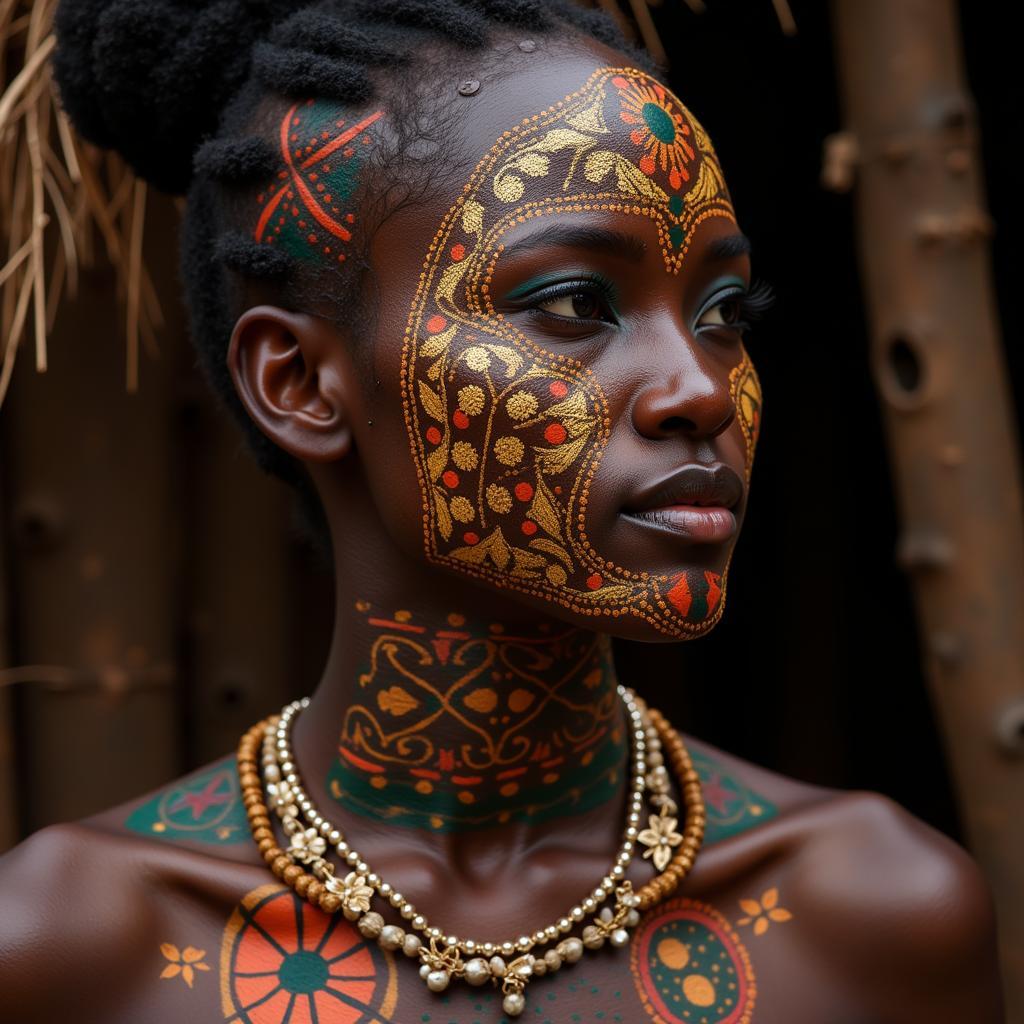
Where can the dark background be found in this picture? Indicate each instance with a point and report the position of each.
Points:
(814, 669)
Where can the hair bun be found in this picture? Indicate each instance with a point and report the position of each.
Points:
(149, 78)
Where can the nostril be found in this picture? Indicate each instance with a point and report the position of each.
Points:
(674, 424)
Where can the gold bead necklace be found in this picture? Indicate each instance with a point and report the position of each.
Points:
(444, 956)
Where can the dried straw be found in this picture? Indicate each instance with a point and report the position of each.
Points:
(58, 195)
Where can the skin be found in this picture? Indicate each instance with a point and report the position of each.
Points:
(818, 905)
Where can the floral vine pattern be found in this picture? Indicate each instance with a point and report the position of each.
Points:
(391, 757)
(512, 508)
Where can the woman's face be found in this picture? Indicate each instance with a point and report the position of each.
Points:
(562, 372)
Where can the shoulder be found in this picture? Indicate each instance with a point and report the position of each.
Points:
(70, 908)
(83, 901)
(886, 902)
(898, 908)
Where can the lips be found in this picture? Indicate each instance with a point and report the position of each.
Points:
(697, 502)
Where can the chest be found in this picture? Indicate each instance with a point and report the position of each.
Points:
(272, 959)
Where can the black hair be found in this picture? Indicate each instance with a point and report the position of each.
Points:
(179, 88)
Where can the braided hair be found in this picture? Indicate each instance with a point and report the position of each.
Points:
(185, 91)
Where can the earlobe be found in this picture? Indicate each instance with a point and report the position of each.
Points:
(288, 372)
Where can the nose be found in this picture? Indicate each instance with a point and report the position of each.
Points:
(688, 394)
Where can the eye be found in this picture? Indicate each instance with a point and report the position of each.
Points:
(583, 304)
(727, 312)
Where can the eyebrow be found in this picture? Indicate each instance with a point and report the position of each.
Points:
(728, 248)
(618, 243)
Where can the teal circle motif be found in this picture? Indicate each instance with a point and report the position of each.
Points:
(662, 126)
(303, 972)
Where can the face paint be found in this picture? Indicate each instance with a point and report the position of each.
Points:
(760, 914)
(689, 966)
(455, 730)
(206, 809)
(507, 435)
(305, 210)
(731, 806)
(283, 961)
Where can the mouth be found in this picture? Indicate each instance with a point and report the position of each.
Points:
(696, 502)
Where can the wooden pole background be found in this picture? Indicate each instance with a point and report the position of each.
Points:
(938, 364)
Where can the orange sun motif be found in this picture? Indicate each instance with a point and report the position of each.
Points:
(659, 127)
(284, 962)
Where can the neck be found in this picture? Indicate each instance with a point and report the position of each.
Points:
(437, 721)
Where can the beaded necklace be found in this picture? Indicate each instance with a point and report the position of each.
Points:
(444, 956)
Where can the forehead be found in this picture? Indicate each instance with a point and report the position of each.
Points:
(573, 131)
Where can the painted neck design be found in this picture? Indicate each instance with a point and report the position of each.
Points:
(453, 727)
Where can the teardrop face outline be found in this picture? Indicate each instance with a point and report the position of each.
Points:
(507, 435)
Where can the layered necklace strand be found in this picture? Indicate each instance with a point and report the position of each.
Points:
(444, 956)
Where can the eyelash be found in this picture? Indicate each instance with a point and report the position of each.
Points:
(752, 304)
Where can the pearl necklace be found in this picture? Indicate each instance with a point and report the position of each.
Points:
(508, 964)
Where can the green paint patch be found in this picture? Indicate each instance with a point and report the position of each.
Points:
(400, 802)
(662, 126)
(731, 806)
(205, 808)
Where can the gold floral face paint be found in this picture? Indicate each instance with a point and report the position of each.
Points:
(507, 435)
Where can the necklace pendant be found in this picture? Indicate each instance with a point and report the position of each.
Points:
(660, 837)
(517, 974)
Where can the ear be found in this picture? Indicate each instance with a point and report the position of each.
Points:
(291, 374)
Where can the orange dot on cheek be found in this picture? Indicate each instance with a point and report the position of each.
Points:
(646, 165)
(529, 527)
(460, 419)
(436, 324)
(450, 478)
(458, 252)
(433, 435)
(524, 492)
(470, 538)
(594, 581)
(558, 388)
(555, 433)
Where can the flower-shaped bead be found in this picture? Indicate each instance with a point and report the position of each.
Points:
(660, 837)
(307, 846)
(354, 892)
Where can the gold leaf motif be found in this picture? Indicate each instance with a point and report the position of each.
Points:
(536, 165)
(551, 548)
(434, 369)
(542, 511)
(556, 575)
(525, 564)
(597, 165)
(484, 700)
(493, 547)
(437, 460)
(396, 701)
(462, 509)
(436, 344)
(561, 457)
(473, 218)
(590, 119)
(431, 401)
(751, 907)
(444, 519)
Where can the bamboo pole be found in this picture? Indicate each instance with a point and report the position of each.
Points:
(938, 365)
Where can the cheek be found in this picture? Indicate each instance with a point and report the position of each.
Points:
(745, 389)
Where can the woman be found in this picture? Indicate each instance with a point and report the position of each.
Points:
(471, 278)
